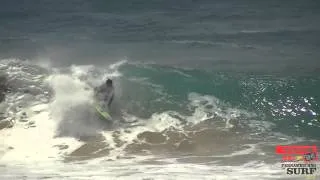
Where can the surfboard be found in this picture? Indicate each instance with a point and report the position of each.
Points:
(102, 113)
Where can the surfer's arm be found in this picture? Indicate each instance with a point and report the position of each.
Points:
(110, 100)
(110, 97)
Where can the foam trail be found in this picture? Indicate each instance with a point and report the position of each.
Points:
(71, 106)
(38, 144)
(116, 65)
(58, 122)
(36, 139)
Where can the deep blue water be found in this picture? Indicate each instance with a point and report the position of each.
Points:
(232, 35)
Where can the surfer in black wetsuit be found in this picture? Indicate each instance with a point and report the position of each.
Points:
(106, 90)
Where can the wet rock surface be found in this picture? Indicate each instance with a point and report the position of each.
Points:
(3, 87)
(5, 124)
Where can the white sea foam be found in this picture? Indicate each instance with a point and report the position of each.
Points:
(32, 149)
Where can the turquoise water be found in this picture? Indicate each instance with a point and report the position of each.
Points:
(289, 101)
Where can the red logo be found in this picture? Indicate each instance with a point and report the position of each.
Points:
(292, 152)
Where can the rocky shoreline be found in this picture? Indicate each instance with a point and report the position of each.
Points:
(3, 90)
(3, 87)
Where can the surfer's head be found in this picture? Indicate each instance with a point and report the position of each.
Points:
(109, 82)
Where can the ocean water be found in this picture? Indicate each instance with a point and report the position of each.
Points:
(204, 89)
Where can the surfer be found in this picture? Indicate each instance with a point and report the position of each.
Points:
(106, 90)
